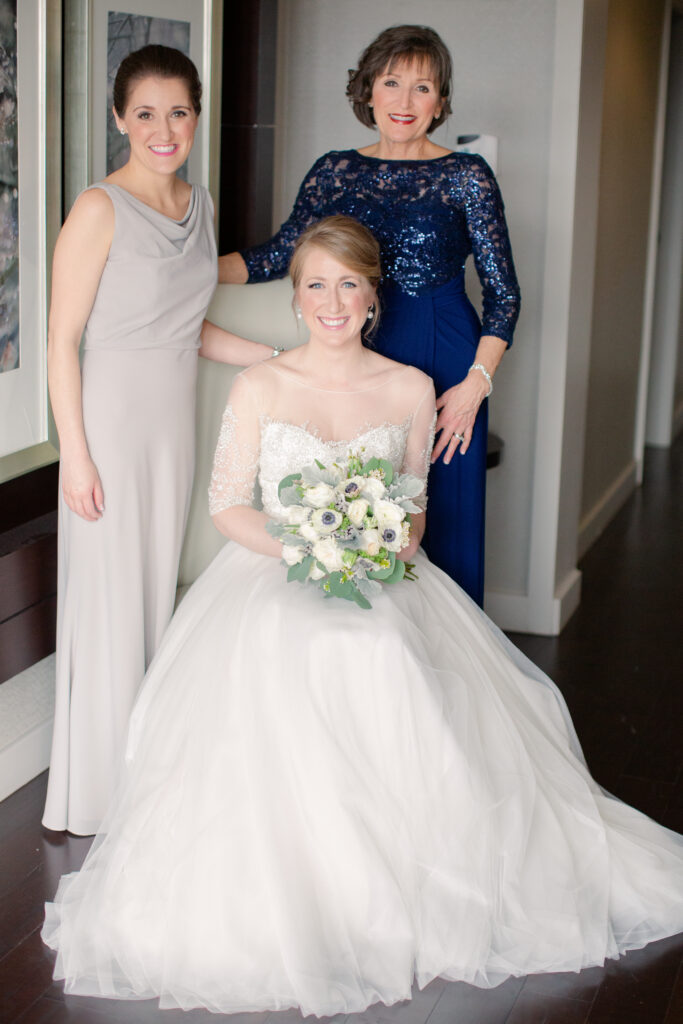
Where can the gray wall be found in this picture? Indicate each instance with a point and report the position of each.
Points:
(634, 34)
(503, 57)
(665, 385)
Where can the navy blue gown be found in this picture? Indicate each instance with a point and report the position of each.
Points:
(428, 216)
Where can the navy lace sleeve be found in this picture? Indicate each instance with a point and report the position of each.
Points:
(271, 259)
(427, 215)
(487, 229)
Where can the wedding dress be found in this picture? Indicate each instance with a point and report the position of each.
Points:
(321, 803)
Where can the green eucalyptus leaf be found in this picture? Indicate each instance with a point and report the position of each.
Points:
(397, 574)
(388, 471)
(275, 529)
(383, 574)
(359, 598)
(290, 495)
(300, 571)
(288, 481)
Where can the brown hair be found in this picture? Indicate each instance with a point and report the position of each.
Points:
(159, 62)
(391, 47)
(349, 242)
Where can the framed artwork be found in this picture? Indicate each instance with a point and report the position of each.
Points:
(24, 216)
(117, 27)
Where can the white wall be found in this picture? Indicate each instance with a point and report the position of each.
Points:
(503, 60)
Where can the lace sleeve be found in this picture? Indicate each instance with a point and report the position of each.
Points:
(488, 232)
(421, 441)
(271, 259)
(235, 463)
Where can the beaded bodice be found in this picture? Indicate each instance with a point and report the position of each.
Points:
(427, 215)
(285, 448)
(274, 425)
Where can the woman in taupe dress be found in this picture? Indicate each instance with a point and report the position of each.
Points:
(134, 271)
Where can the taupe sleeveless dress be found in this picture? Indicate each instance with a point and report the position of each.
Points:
(117, 576)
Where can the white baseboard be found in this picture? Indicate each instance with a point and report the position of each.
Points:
(26, 715)
(520, 613)
(604, 510)
(567, 600)
(25, 758)
(510, 612)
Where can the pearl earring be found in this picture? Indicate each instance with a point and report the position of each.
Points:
(123, 131)
(371, 313)
(297, 310)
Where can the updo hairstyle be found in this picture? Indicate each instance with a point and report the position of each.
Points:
(155, 61)
(347, 241)
(400, 44)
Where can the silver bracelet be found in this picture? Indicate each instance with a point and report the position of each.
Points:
(482, 369)
(277, 349)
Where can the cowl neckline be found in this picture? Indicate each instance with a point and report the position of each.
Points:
(173, 228)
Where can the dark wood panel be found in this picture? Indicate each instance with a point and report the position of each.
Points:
(247, 123)
(28, 496)
(249, 62)
(28, 575)
(27, 637)
(246, 185)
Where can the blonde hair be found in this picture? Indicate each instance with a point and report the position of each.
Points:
(349, 242)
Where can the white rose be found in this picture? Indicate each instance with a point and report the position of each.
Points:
(326, 520)
(356, 511)
(373, 489)
(315, 572)
(309, 532)
(292, 554)
(327, 552)
(319, 496)
(371, 542)
(387, 513)
(297, 514)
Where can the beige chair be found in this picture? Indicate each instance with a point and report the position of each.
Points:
(264, 313)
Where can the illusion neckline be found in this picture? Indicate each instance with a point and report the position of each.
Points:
(334, 391)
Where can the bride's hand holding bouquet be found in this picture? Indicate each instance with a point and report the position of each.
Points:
(347, 526)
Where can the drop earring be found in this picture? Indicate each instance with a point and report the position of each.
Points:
(371, 313)
(297, 310)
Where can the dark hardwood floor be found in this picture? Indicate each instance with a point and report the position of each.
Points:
(619, 663)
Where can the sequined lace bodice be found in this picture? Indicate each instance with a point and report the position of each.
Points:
(285, 448)
(427, 215)
(274, 425)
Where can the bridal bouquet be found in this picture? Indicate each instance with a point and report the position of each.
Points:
(344, 525)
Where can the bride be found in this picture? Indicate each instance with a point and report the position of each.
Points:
(319, 803)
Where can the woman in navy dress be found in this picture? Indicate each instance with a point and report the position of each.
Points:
(429, 208)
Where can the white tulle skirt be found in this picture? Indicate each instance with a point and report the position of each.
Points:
(320, 804)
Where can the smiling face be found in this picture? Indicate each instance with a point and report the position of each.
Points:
(334, 299)
(405, 101)
(160, 123)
